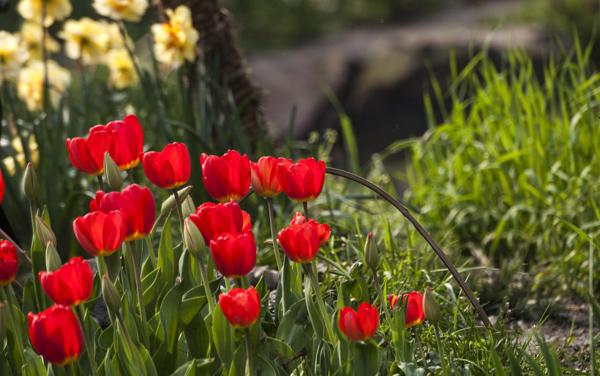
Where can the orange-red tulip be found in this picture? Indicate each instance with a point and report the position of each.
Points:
(9, 263)
(301, 239)
(100, 234)
(240, 307)
(265, 179)
(234, 255)
(226, 177)
(87, 154)
(70, 284)
(56, 334)
(169, 168)
(303, 180)
(359, 325)
(414, 307)
(217, 219)
(127, 141)
(135, 202)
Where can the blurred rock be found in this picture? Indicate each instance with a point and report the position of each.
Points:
(380, 74)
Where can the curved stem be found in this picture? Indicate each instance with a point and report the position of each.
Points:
(421, 230)
(209, 296)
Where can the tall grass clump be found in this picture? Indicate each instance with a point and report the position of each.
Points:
(514, 164)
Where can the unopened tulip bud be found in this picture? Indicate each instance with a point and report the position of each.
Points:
(44, 232)
(53, 260)
(110, 294)
(431, 308)
(112, 174)
(371, 254)
(187, 206)
(169, 203)
(192, 237)
(30, 182)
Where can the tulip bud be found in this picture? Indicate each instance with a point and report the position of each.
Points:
(431, 308)
(371, 254)
(53, 260)
(44, 232)
(30, 182)
(112, 174)
(110, 294)
(192, 238)
(169, 203)
(187, 206)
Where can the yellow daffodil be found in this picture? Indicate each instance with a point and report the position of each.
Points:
(19, 156)
(56, 10)
(127, 10)
(12, 55)
(122, 70)
(31, 35)
(85, 39)
(30, 84)
(175, 40)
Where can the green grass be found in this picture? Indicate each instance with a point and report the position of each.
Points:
(513, 161)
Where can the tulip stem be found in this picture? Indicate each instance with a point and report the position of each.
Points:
(249, 357)
(70, 368)
(138, 289)
(311, 270)
(179, 211)
(382, 299)
(209, 297)
(269, 201)
(100, 182)
(305, 206)
(86, 341)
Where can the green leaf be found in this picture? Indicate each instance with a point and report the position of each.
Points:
(193, 367)
(166, 256)
(313, 312)
(169, 317)
(197, 337)
(192, 302)
(223, 337)
(552, 363)
(498, 367)
(34, 364)
(366, 358)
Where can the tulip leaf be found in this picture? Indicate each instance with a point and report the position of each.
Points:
(238, 367)
(266, 367)
(129, 355)
(291, 329)
(34, 365)
(313, 312)
(169, 317)
(113, 264)
(223, 337)
(166, 257)
(192, 302)
(197, 337)
(366, 359)
(192, 367)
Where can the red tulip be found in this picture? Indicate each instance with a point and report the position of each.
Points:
(303, 180)
(359, 325)
(70, 284)
(135, 202)
(9, 262)
(169, 168)
(301, 239)
(414, 307)
(216, 219)
(322, 229)
(2, 187)
(265, 179)
(227, 177)
(240, 307)
(87, 154)
(100, 234)
(56, 334)
(128, 141)
(234, 255)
